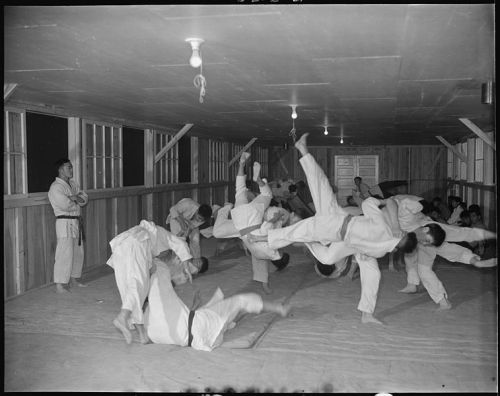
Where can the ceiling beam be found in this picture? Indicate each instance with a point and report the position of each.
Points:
(458, 153)
(478, 131)
(252, 141)
(8, 88)
(174, 140)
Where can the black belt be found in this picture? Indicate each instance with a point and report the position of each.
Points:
(190, 324)
(343, 229)
(81, 232)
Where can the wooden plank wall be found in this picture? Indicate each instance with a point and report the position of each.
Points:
(412, 163)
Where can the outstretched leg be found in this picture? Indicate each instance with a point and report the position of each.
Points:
(324, 198)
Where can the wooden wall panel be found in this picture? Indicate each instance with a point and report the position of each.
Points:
(427, 172)
(36, 250)
(218, 195)
(203, 151)
(9, 252)
(204, 195)
(91, 219)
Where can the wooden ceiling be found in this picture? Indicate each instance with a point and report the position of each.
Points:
(384, 74)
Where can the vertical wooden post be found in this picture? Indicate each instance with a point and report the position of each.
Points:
(149, 159)
(194, 164)
(74, 145)
(489, 163)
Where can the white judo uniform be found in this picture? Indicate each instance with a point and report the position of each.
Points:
(186, 208)
(69, 252)
(166, 316)
(366, 237)
(250, 217)
(132, 258)
(419, 263)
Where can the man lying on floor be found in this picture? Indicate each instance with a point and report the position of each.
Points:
(169, 321)
(132, 260)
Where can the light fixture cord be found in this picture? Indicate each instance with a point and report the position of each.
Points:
(293, 131)
(200, 82)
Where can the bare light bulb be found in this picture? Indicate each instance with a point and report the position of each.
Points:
(341, 140)
(195, 60)
(326, 131)
(294, 113)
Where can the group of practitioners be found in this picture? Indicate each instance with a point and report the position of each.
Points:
(149, 260)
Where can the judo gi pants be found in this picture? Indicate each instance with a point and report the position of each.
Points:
(68, 260)
(419, 268)
(132, 278)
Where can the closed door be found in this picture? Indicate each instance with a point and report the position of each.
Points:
(347, 167)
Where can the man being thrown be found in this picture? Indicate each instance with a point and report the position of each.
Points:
(250, 218)
(185, 219)
(169, 321)
(332, 234)
(132, 260)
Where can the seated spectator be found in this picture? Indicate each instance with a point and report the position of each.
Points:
(457, 206)
(441, 206)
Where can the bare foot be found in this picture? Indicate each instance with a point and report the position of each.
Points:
(444, 304)
(123, 328)
(244, 157)
(74, 282)
(256, 171)
(266, 288)
(409, 289)
(492, 262)
(284, 310)
(369, 318)
(61, 289)
(301, 144)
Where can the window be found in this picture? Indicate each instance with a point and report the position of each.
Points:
(235, 149)
(167, 168)
(184, 151)
(463, 166)
(14, 154)
(217, 160)
(479, 161)
(47, 141)
(450, 164)
(101, 155)
(261, 155)
(133, 157)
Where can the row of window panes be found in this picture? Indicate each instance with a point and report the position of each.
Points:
(217, 159)
(167, 168)
(103, 159)
(457, 169)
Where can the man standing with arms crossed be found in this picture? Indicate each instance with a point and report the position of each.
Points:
(67, 199)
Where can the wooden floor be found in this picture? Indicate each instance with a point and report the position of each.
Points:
(67, 342)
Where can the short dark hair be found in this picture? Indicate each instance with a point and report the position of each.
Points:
(410, 243)
(324, 269)
(475, 209)
(60, 162)
(205, 211)
(204, 265)
(292, 188)
(437, 233)
(357, 177)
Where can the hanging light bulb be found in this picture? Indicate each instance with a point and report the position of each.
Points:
(341, 140)
(294, 112)
(326, 131)
(195, 60)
